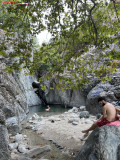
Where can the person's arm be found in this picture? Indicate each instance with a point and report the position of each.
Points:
(101, 118)
(117, 109)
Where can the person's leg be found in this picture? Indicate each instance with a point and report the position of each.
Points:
(91, 128)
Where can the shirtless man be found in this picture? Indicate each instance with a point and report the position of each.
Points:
(109, 114)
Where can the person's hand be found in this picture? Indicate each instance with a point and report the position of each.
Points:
(95, 121)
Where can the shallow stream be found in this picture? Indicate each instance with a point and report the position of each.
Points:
(36, 139)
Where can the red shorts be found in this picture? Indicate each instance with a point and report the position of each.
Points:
(102, 122)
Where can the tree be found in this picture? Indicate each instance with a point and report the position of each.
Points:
(76, 26)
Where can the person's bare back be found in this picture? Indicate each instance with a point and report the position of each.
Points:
(110, 112)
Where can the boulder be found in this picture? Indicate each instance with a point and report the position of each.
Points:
(75, 109)
(22, 148)
(75, 123)
(13, 125)
(84, 114)
(102, 144)
(38, 151)
(82, 108)
(13, 146)
(35, 117)
(18, 138)
(110, 90)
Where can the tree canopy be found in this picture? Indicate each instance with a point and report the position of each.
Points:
(83, 34)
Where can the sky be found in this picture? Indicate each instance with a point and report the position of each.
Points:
(44, 36)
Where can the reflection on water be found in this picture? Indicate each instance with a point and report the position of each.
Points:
(40, 110)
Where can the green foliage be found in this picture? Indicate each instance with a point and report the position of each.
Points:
(76, 26)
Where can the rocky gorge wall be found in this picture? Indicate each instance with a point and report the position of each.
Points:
(16, 95)
(70, 98)
(88, 96)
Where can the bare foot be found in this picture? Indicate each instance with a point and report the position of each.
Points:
(85, 131)
(85, 135)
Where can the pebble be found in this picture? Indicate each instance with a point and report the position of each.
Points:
(75, 123)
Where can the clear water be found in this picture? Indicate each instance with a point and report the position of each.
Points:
(40, 110)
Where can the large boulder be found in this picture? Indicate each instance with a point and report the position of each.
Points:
(84, 114)
(108, 90)
(13, 125)
(102, 144)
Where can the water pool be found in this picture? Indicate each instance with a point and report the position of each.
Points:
(54, 110)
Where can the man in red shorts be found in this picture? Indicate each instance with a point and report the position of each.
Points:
(109, 115)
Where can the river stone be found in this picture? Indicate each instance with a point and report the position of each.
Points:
(82, 108)
(13, 126)
(74, 116)
(22, 148)
(38, 151)
(75, 109)
(84, 114)
(102, 144)
(69, 111)
(13, 146)
(75, 123)
(18, 138)
(73, 120)
(35, 117)
(28, 127)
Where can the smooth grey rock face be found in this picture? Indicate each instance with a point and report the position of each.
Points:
(22, 148)
(84, 114)
(25, 83)
(12, 99)
(102, 144)
(68, 98)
